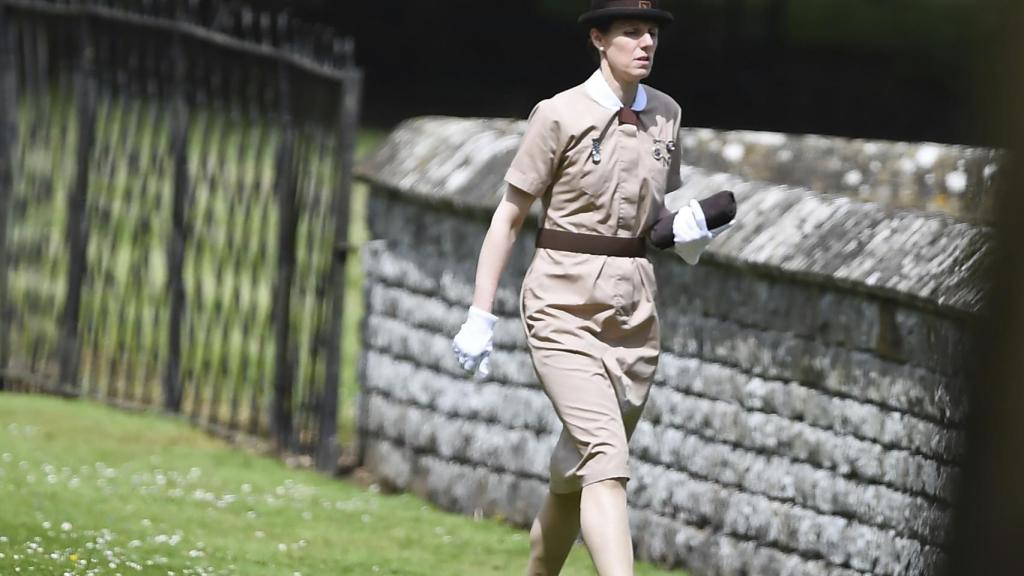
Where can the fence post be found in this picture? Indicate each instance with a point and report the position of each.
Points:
(281, 415)
(327, 442)
(8, 134)
(77, 223)
(172, 387)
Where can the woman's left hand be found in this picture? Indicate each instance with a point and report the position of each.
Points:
(691, 233)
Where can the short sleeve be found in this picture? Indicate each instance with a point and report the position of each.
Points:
(534, 165)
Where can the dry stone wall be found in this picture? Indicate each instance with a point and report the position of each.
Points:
(808, 408)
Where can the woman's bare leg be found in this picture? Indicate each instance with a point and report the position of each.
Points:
(553, 533)
(604, 520)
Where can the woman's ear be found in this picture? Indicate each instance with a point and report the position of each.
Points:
(597, 39)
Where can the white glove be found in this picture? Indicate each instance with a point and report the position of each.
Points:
(473, 344)
(690, 232)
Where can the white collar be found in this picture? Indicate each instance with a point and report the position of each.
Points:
(598, 89)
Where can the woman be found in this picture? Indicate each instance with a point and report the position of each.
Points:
(601, 156)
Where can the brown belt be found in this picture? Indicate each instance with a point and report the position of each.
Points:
(591, 243)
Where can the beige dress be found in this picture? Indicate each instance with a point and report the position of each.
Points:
(590, 321)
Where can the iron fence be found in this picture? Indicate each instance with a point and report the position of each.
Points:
(174, 185)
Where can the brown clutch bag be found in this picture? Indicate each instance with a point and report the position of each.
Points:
(719, 209)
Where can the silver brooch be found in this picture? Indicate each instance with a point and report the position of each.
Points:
(595, 150)
(658, 155)
(663, 149)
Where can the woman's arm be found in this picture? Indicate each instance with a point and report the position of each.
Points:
(528, 176)
(506, 222)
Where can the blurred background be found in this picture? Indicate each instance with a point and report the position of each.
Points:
(898, 70)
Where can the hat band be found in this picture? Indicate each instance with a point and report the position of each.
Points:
(629, 4)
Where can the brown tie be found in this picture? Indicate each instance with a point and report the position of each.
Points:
(628, 116)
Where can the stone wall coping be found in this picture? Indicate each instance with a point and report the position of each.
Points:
(928, 259)
(957, 179)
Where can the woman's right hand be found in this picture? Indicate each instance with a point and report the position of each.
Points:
(472, 345)
(474, 342)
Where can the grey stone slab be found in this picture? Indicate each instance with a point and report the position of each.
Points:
(505, 496)
(482, 492)
(404, 341)
(845, 319)
(520, 452)
(930, 340)
(381, 266)
(753, 518)
(815, 483)
(891, 428)
(392, 463)
(432, 276)
(849, 373)
(437, 315)
(511, 406)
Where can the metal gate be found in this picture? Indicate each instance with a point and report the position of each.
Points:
(174, 185)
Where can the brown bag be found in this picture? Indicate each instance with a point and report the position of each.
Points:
(719, 209)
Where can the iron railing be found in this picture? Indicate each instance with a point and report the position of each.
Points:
(174, 185)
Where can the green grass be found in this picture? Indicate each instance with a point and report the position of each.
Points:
(84, 487)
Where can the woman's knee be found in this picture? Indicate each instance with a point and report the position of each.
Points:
(566, 499)
(608, 480)
(614, 486)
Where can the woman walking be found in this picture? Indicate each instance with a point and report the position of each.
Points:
(601, 157)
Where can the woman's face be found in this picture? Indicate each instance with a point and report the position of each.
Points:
(628, 47)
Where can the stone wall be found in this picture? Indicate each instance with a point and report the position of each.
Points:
(958, 180)
(808, 409)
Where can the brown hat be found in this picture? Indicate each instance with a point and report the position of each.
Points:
(605, 10)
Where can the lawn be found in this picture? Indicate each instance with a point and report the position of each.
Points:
(87, 489)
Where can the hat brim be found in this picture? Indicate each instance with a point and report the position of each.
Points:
(594, 17)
